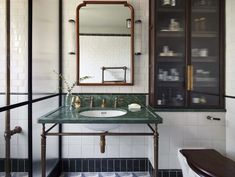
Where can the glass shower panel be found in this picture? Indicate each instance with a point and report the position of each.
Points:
(18, 52)
(2, 52)
(18, 143)
(205, 56)
(45, 47)
(2, 142)
(40, 109)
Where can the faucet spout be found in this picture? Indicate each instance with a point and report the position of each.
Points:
(103, 104)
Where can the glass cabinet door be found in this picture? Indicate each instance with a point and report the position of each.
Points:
(204, 70)
(170, 52)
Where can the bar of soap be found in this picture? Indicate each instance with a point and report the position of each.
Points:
(134, 107)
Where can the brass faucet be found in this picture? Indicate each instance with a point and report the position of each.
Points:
(103, 104)
(76, 102)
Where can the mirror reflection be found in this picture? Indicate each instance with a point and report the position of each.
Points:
(105, 44)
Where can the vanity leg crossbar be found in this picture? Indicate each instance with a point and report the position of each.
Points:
(46, 133)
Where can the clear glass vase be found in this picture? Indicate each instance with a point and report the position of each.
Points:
(68, 99)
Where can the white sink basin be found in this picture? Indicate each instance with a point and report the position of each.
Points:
(102, 114)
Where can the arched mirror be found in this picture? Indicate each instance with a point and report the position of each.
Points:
(105, 43)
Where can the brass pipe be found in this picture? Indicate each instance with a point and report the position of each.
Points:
(102, 143)
(16, 130)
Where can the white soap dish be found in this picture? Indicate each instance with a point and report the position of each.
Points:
(134, 107)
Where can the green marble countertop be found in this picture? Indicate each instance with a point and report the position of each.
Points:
(65, 115)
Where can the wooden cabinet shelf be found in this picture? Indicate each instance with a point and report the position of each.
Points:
(204, 34)
(199, 65)
(170, 59)
(170, 83)
(170, 34)
(204, 10)
(167, 10)
(210, 59)
(206, 84)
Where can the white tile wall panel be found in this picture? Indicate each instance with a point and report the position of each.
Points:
(230, 81)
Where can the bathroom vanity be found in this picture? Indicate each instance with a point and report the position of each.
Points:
(102, 118)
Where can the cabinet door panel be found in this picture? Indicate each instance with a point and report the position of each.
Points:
(170, 51)
(205, 51)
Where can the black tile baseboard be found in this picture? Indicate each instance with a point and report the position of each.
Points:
(105, 165)
(170, 173)
(97, 165)
(115, 165)
(17, 165)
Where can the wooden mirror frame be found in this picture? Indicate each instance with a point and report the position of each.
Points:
(126, 4)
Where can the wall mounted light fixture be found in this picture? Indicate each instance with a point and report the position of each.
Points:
(138, 39)
(72, 37)
(128, 23)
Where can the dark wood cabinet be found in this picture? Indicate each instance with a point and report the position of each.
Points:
(187, 53)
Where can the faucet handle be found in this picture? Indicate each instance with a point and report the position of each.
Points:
(103, 103)
(116, 100)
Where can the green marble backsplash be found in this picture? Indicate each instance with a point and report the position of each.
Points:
(124, 99)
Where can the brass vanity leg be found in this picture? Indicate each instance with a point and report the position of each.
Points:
(43, 151)
(155, 142)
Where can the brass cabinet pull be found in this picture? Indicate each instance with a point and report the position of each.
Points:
(191, 77)
(188, 78)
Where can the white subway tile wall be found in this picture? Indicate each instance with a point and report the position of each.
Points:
(19, 28)
(19, 142)
(230, 79)
(45, 46)
(187, 130)
(2, 73)
(88, 147)
(39, 109)
(2, 48)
